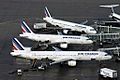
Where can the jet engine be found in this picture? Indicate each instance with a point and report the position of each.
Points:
(110, 16)
(65, 31)
(64, 45)
(72, 63)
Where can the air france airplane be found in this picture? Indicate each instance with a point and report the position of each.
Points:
(66, 25)
(63, 40)
(113, 14)
(57, 56)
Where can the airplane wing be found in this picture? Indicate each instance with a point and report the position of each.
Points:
(56, 28)
(44, 45)
(55, 61)
(56, 49)
(60, 60)
(59, 33)
(49, 43)
(84, 22)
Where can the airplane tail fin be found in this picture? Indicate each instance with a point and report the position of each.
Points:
(16, 45)
(47, 13)
(110, 6)
(25, 28)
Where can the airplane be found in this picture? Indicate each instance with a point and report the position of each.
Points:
(56, 56)
(68, 26)
(63, 40)
(113, 15)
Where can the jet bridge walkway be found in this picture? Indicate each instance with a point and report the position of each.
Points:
(114, 50)
(103, 36)
(108, 29)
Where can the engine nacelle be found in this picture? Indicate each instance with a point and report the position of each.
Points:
(64, 45)
(65, 31)
(83, 31)
(110, 16)
(72, 63)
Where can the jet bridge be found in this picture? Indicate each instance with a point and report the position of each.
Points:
(103, 36)
(114, 50)
(107, 29)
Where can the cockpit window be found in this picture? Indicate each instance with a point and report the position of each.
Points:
(106, 54)
(88, 39)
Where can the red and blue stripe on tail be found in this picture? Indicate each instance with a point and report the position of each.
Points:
(47, 13)
(25, 28)
(16, 45)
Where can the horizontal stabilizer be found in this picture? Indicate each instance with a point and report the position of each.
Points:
(109, 6)
(85, 22)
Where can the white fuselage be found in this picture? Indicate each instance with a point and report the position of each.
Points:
(116, 16)
(70, 25)
(57, 38)
(62, 55)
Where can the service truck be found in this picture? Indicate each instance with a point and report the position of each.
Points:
(105, 72)
(19, 72)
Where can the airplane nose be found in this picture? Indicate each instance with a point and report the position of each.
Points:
(94, 32)
(108, 57)
(90, 41)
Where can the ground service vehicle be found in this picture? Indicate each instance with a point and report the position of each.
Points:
(105, 72)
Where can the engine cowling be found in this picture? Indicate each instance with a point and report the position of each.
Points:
(83, 31)
(64, 45)
(110, 16)
(72, 63)
(65, 31)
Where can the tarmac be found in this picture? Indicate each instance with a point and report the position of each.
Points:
(12, 11)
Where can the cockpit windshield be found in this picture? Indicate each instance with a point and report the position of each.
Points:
(87, 39)
(106, 54)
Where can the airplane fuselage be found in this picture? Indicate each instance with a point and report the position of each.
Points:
(57, 38)
(70, 25)
(115, 16)
(56, 55)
